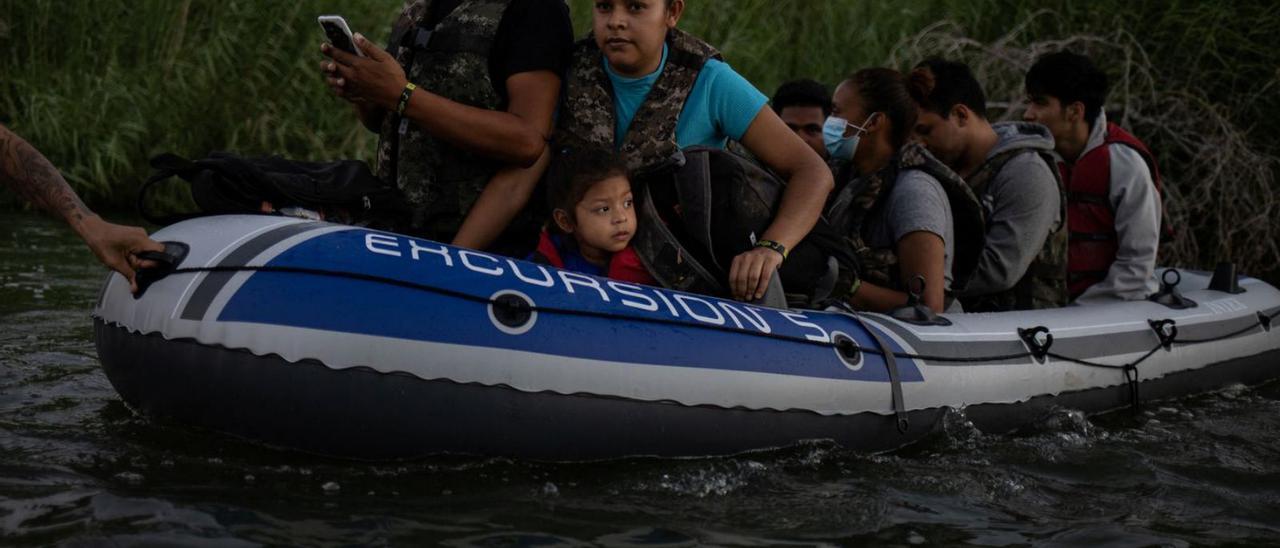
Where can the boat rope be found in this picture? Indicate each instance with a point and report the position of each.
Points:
(891, 364)
(1131, 378)
(1130, 370)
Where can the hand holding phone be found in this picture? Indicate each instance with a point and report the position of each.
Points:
(362, 76)
(339, 34)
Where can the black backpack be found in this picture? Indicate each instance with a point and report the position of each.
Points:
(344, 191)
(697, 216)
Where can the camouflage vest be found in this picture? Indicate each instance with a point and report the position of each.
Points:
(864, 197)
(441, 181)
(1044, 285)
(587, 117)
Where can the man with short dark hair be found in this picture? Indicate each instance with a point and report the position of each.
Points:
(1011, 169)
(1111, 178)
(804, 106)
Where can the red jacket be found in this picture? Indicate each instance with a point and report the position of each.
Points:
(624, 266)
(1090, 218)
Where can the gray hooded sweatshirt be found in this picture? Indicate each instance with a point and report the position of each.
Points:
(1023, 204)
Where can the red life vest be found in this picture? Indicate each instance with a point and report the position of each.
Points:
(1093, 241)
(624, 266)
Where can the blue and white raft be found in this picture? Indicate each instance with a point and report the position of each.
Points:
(351, 342)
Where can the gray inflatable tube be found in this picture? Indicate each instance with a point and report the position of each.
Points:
(350, 342)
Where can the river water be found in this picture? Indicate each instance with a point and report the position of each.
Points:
(78, 467)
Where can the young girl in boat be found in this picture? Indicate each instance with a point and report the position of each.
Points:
(593, 217)
(639, 86)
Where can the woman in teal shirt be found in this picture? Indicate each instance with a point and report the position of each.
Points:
(647, 89)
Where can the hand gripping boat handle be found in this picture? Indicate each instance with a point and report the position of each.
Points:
(166, 262)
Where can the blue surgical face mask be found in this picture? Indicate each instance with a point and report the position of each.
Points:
(839, 146)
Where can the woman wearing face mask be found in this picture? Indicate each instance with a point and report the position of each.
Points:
(642, 87)
(895, 201)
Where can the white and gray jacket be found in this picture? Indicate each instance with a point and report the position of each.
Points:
(1136, 204)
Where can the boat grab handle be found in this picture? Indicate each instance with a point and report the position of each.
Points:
(165, 263)
(1168, 294)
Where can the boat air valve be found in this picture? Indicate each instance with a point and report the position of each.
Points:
(915, 312)
(1168, 294)
(847, 350)
(512, 312)
(1038, 339)
(1166, 330)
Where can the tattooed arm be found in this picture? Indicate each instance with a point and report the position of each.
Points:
(29, 173)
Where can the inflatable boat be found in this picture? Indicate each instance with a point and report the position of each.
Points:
(351, 342)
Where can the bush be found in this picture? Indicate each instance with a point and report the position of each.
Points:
(101, 85)
(1197, 80)
(1219, 183)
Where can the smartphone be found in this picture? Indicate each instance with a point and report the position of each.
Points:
(339, 34)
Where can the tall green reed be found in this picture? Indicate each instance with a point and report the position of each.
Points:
(100, 86)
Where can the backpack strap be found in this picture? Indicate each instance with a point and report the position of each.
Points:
(665, 257)
(693, 190)
(166, 165)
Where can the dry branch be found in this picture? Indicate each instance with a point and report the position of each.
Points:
(1220, 188)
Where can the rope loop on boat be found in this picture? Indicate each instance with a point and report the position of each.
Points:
(1039, 340)
(895, 380)
(1264, 320)
(1131, 379)
(1166, 330)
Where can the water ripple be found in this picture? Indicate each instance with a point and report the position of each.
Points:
(78, 467)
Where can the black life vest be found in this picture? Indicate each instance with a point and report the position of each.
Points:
(860, 199)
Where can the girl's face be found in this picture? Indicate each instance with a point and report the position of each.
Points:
(631, 32)
(603, 222)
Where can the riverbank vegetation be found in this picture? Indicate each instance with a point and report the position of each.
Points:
(102, 85)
